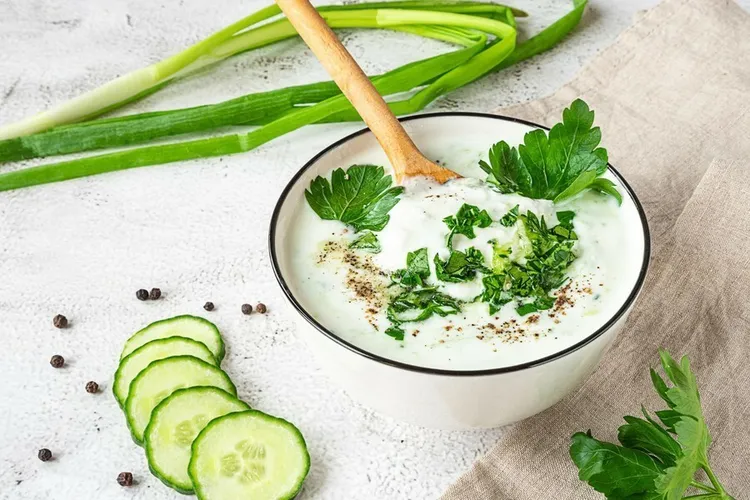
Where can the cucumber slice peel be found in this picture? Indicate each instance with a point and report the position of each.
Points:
(248, 455)
(132, 364)
(160, 379)
(174, 424)
(192, 327)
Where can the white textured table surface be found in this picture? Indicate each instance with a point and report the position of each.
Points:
(197, 230)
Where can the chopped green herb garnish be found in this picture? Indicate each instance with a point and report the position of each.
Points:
(416, 272)
(565, 218)
(368, 242)
(553, 167)
(419, 305)
(495, 292)
(543, 271)
(396, 332)
(460, 266)
(541, 303)
(467, 217)
(500, 256)
(510, 218)
(361, 197)
(654, 460)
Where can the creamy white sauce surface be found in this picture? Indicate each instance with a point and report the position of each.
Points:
(347, 290)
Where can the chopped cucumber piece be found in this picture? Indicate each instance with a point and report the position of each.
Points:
(160, 379)
(248, 455)
(175, 423)
(191, 327)
(132, 364)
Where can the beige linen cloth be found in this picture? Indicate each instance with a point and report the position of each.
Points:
(672, 96)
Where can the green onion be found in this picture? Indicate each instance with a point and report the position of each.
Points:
(133, 84)
(283, 110)
(252, 109)
(406, 77)
(222, 44)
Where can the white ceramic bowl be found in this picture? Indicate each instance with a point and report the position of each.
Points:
(448, 399)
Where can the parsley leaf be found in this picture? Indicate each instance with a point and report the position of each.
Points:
(416, 272)
(460, 266)
(510, 218)
(367, 242)
(495, 291)
(361, 197)
(649, 437)
(467, 217)
(544, 270)
(688, 424)
(606, 186)
(616, 471)
(565, 218)
(555, 166)
(654, 461)
(396, 332)
(419, 305)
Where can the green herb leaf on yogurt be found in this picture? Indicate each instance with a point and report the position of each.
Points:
(361, 196)
(460, 266)
(467, 217)
(544, 269)
(654, 461)
(368, 242)
(606, 186)
(510, 218)
(555, 166)
(416, 272)
(419, 305)
(396, 332)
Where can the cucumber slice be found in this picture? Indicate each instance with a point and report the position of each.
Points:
(160, 379)
(175, 423)
(248, 455)
(132, 364)
(191, 327)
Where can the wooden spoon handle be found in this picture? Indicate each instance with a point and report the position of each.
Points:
(353, 82)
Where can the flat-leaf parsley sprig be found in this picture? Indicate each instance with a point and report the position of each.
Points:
(655, 460)
(361, 197)
(555, 166)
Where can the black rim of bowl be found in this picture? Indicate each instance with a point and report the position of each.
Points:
(438, 371)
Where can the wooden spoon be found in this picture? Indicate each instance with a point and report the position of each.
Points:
(406, 159)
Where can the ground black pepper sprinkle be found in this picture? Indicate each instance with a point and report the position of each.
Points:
(92, 387)
(154, 294)
(60, 321)
(261, 308)
(247, 308)
(208, 306)
(45, 455)
(142, 294)
(125, 479)
(57, 361)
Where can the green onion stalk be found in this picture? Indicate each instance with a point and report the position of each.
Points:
(285, 110)
(231, 40)
(252, 109)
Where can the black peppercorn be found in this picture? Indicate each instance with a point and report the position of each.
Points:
(92, 387)
(247, 308)
(57, 361)
(60, 321)
(154, 294)
(261, 308)
(208, 306)
(45, 455)
(142, 294)
(125, 479)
